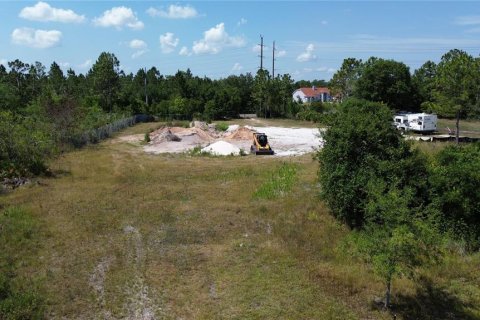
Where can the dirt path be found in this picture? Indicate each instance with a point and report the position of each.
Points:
(139, 305)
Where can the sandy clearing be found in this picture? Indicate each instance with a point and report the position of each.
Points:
(284, 141)
(292, 141)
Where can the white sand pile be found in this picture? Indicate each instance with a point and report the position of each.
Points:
(222, 148)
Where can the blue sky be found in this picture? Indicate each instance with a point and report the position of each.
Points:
(216, 39)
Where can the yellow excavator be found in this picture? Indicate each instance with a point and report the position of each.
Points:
(260, 144)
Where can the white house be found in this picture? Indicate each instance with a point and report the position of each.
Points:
(307, 95)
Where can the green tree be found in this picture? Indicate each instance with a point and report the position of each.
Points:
(17, 79)
(423, 81)
(344, 80)
(386, 81)
(56, 78)
(361, 147)
(456, 86)
(397, 250)
(104, 77)
(260, 91)
(36, 77)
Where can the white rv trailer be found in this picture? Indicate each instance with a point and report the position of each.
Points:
(418, 122)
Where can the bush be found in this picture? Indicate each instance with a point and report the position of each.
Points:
(455, 184)
(361, 151)
(309, 115)
(25, 145)
(221, 126)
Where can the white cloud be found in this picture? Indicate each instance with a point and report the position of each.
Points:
(242, 22)
(184, 52)
(168, 42)
(308, 55)
(471, 21)
(139, 53)
(215, 39)
(137, 44)
(237, 67)
(64, 65)
(322, 69)
(4, 62)
(140, 46)
(257, 48)
(467, 20)
(174, 12)
(281, 53)
(36, 38)
(119, 17)
(42, 11)
(86, 65)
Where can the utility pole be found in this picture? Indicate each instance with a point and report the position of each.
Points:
(261, 52)
(273, 61)
(145, 86)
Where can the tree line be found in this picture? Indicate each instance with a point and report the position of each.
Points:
(449, 88)
(50, 106)
(109, 88)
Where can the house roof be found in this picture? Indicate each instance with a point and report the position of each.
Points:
(312, 92)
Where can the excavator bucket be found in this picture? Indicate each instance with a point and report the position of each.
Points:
(260, 145)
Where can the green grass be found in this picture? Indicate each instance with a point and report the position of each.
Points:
(469, 128)
(20, 297)
(278, 182)
(221, 126)
(119, 232)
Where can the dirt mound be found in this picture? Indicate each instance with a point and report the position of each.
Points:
(242, 133)
(178, 134)
(185, 132)
(199, 125)
(165, 135)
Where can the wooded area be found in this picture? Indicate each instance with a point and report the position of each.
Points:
(42, 111)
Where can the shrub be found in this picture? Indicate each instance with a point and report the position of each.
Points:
(455, 184)
(221, 126)
(25, 145)
(147, 137)
(309, 115)
(361, 150)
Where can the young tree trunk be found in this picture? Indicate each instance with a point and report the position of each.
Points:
(457, 127)
(387, 295)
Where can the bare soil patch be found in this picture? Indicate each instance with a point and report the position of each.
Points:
(284, 141)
